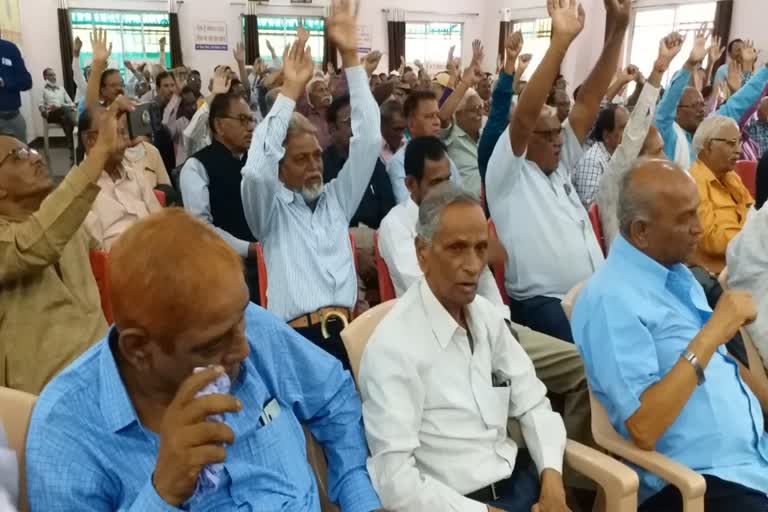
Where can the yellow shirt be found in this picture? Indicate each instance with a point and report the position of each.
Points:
(50, 310)
(722, 212)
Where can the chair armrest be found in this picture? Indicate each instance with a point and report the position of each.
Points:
(690, 483)
(610, 474)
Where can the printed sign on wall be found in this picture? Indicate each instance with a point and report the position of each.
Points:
(211, 35)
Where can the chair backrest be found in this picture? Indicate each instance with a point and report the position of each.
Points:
(262, 268)
(355, 336)
(594, 218)
(570, 299)
(386, 288)
(747, 171)
(15, 411)
(602, 430)
(160, 195)
(100, 267)
(499, 266)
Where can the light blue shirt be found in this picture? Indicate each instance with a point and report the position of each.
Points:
(307, 252)
(396, 171)
(631, 323)
(87, 450)
(734, 108)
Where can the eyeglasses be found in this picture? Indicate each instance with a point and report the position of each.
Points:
(731, 143)
(550, 135)
(19, 154)
(245, 119)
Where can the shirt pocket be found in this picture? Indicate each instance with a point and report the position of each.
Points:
(495, 407)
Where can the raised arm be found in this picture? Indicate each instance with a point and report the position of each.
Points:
(522, 66)
(587, 105)
(749, 94)
(77, 69)
(352, 181)
(161, 60)
(567, 23)
(239, 54)
(101, 53)
(260, 183)
(469, 79)
(621, 80)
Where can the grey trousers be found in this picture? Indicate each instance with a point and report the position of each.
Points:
(14, 126)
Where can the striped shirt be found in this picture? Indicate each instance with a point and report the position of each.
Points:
(587, 173)
(307, 252)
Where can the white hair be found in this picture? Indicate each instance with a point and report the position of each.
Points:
(708, 130)
(471, 93)
(437, 200)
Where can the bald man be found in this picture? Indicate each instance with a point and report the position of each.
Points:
(654, 351)
(124, 427)
(49, 300)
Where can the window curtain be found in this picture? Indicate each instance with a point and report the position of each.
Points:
(177, 58)
(251, 33)
(395, 37)
(329, 50)
(66, 44)
(722, 27)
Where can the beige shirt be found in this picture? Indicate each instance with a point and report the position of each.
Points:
(50, 310)
(147, 159)
(119, 204)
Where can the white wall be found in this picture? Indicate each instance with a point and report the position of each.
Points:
(749, 23)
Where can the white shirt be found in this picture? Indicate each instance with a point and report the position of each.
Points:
(623, 159)
(436, 427)
(55, 96)
(747, 260)
(197, 134)
(540, 221)
(307, 251)
(396, 172)
(397, 235)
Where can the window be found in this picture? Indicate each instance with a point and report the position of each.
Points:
(430, 43)
(134, 35)
(536, 35)
(281, 31)
(651, 24)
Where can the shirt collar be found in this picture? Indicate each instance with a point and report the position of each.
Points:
(643, 266)
(115, 405)
(51, 86)
(441, 322)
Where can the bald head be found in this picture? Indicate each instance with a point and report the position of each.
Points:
(657, 211)
(24, 178)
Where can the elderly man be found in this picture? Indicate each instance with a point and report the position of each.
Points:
(314, 107)
(682, 109)
(422, 115)
(392, 129)
(607, 134)
(57, 107)
(210, 180)
(640, 138)
(303, 224)
(724, 198)
(654, 353)
(554, 248)
(438, 438)
(48, 294)
(125, 195)
(125, 427)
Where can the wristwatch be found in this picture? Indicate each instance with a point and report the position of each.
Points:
(691, 358)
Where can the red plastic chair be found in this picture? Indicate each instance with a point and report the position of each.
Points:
(498, 267)
(100, 266)
(262, 268)
(747, 171)
(594, 218)
(386, 288)
(160, 195)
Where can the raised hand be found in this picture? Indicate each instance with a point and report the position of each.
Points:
(78, 46)
(471, 76)
(523, 62)
(567, 19)
(239, 53)
(699, 50)
(371, 61)
(109, 139)
(297, 67)
(449, 62)
(477, 52)
(128, 65)
(628, 74)
(513, 45)
(617, 15)
(101, 51)
(269, 47)
(715, 51)
(669, 47)
(342, 26)
(748, 55)
(221, 82)
(162, 44)
(733, 77)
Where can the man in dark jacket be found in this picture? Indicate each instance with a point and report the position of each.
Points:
(14, 78)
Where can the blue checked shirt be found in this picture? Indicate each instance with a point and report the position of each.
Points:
(758, 132)
(307, 252)
(87, 450)
(586, 175)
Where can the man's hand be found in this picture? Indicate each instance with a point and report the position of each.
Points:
(371, 62)
(628, 74)
(669, 47)
(188, 441)
(297, 67)
(513, 45)
(239, 53)
(221, 82)
(449, 62)
(733, 77)
(715, 51)
(269, 47)
(471, 76)
(101, 51)
(567, 19)
(617, 14)
(552, 497)
(78, 46)
(748, 55)
(699, 50)
(342, 26)
(129, 65)
(477, 53)
(110, 140)
(734, 309)
(162, 45)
